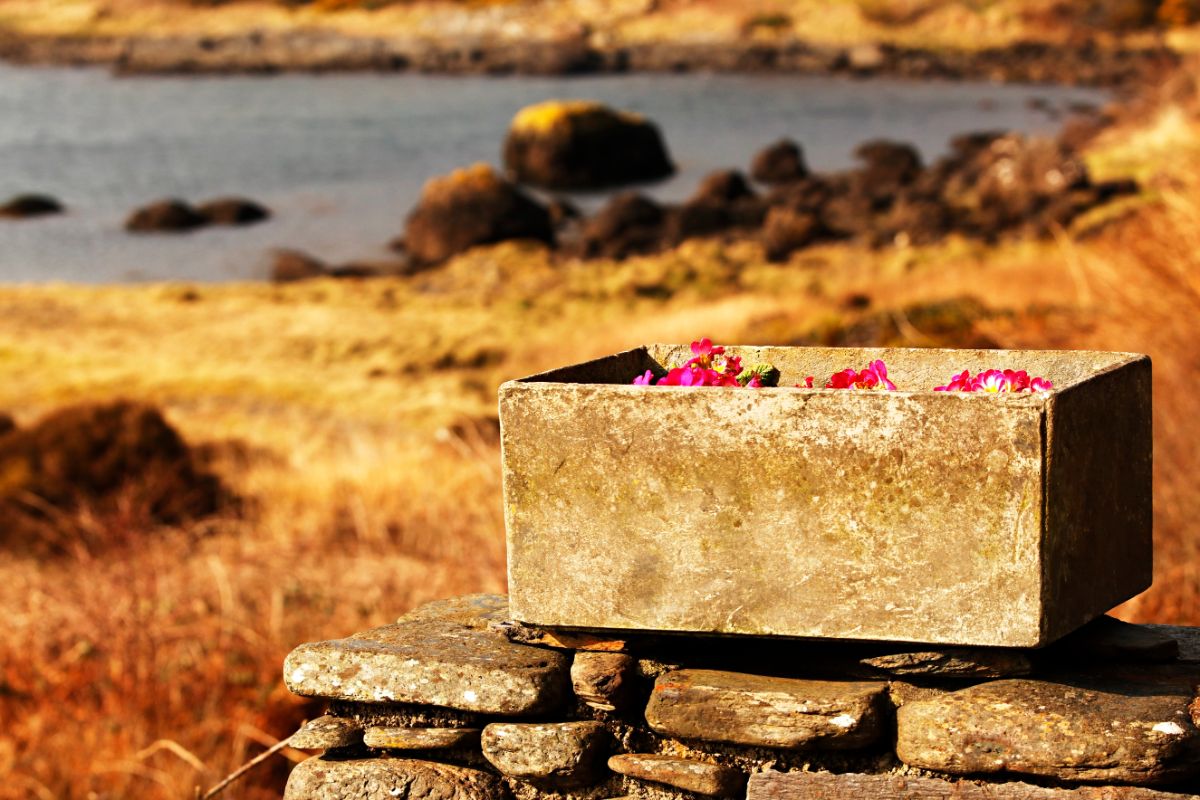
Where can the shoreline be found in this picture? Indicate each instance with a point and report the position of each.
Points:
(326, 50)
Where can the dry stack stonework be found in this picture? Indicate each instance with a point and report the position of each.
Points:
(456, 702)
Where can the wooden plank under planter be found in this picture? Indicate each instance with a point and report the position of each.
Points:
(914, 515)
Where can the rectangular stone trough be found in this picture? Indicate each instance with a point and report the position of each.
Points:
(914, 515)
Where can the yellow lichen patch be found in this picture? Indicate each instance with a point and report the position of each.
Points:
(545, 116)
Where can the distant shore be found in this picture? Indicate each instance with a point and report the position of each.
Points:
(328, 50)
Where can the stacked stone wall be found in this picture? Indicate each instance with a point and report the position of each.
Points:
(456, 701)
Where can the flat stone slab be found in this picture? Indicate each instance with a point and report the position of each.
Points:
(443, 654)
(1120, 732)
(768, 712)
(325, 732)
(682, 773)
(563, 755)
(772, 785)
(389, 779)
(420, 738)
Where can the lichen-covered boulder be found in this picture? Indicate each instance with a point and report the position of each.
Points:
(470, 207)
(581, 144)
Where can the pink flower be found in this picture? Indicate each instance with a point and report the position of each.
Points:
(703, 352)
(996, 381)
(644, 380)
(710, 366)
(874, 377)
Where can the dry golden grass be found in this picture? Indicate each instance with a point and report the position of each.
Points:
(922, 23)
(344, 411)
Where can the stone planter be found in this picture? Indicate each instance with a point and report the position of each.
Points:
(920, 516)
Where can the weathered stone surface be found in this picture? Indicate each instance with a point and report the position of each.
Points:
(767, 712)
(1110, 639)
(562, 755)
(682, 773)
(389, 779)
(419, 738)
(605, 681)
(1125, 732)
(953, 663)
(325, 732)
(443, 654)
(771, 785)
(853, 528)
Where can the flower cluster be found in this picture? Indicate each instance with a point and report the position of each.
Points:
(709, 366)
(874, 377)
(995, 380)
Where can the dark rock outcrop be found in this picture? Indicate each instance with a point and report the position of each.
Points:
(629, 224)
(470, 207)
(583, 145)
(781, 162)
(26, 206)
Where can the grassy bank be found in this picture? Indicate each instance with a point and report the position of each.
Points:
(356, 418)
(916, 23)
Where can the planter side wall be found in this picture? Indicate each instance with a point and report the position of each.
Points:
(1099, 521)
(775, 512)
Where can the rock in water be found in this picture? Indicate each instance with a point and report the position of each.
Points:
(25, 206)
(167, 216)
(293, 265)
(781, 162)
(1118, 731)
(470, 207)
(627, 225)
(233, 211)
(583, 145)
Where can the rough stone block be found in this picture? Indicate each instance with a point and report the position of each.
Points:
(920, 516)
(1106, 730)
(772, 785)
(605, 681)
(766, 712)
(559, 755)
(389, 779)
(442, 655)
(325, 732)
(682, 773)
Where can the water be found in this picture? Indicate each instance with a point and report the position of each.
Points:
(341, 158)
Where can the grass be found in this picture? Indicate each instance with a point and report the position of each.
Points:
(922, 23)
(355, 416)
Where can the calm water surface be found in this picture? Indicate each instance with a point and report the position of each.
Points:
(341, 158)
